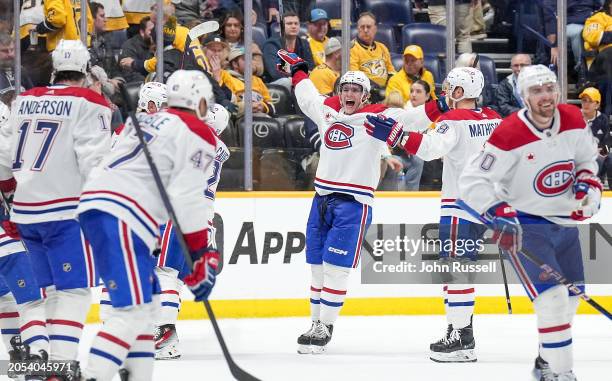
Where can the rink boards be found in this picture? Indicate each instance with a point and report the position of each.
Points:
(264, 274)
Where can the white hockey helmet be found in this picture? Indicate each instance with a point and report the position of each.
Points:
(356, 77)
(155, 92)
(218, 118)
(469, 79)
(70, 55)
(534, 75)
(187, 87)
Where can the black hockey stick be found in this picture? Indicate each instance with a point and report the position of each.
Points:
(238, 373)
(556, 275)
(503, 269)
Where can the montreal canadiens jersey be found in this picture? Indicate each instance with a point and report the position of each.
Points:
(59, 134)
(458, 134)
(532, 170)
(183, 148)
(350, 158)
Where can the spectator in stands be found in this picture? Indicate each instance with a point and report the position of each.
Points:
(134, 12)
(507, 93)
(100, 51)
(216, 51)
(464, 21)
(7, 69)
(590, 99)
(479, 29)
(420, 93)
(413, 70)
(325, 75)
(301, 8)
(208, 10)
(232, 32)
(291, 43)
(368, 55)
(61, 22)
(577, 12)
(598, 41)
(317, 34)
(233, 79)
(99, 82)
(136, 50)
(116, 23)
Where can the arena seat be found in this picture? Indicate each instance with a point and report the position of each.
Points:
(487, 67)
(397, 59)
(389, 11)
(384, 35)
(332, 7)
(260, 34)
(267, 132)
(435, 66)
(132, 90)
(232, 175)
(281, 99)
(432, 38)
(295, 135)
(229, 136)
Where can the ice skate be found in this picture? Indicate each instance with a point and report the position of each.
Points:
(305, 338)
(457, 346)
(566, 376)
(166, 342)
(321, 336)
(541, 370)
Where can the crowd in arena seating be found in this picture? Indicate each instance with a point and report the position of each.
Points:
(400, 45)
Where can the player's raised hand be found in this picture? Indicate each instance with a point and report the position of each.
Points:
(385, 129)
(290, 63)
(204, 273)
(507, 228)
(587, 192)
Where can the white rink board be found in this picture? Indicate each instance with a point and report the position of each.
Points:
(285, 216)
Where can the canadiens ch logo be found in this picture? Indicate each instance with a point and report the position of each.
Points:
(555, 179)
(338, 136)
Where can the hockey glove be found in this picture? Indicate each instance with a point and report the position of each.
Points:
(441, 103)
(587, 192)
(290, 63)
(204, 273)
(508, 233)
(385, 129)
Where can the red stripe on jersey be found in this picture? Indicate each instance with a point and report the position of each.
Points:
(466, 114)
(196, 126)
(172, 292)
(164, 247)
(130, 261)
(448, 200)
(344, 184)
(374, 109)
(558, 328)
(413, 143)
(335, 292)
(131, 200)
(512, 133)
(461, 292)
(70, 91)
(32, 323)
(9, 315)
(432, 111)
(114, 339)
(299, 77)
(42, 203)
(313, 289)
(333, 102)
(571, 118)
(144, 337)
(70, 323)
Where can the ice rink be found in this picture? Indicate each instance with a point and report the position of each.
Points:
(377, 348)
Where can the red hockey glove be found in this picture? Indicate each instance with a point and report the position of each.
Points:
(204, 273)
(10, 229)
(507, 229)
(587, 192)
(290, 63)
(385, 129)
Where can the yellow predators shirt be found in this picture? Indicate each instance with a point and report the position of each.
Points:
(374, 61)
(593, 31)
(401, 83)
(180, 38)
(136, 10)
(115, 19)
(318, 50)
(63, 17)
(236, 86)
(324, 79)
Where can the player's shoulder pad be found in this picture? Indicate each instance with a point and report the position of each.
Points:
(197, 126)
(490, 113)
(333, 102)
(512, 133)
(457, 114)
(571, 118)
(373, 108)
(70, 91)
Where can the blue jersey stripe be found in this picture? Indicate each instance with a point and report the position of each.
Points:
(58, 209)
(331, 304)
(106, 355)
(140, 354)
(153, 233)
(342, 190)
(460, 304)
(557, 345)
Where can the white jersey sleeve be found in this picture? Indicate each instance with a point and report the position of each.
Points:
(310, 101)
(92, 137)
(436, 143)
(5, 143)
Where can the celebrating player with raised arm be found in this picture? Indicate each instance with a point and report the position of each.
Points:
(60, 133)
(458, 134)
(536, 175)
(348, 173)
(121, 210)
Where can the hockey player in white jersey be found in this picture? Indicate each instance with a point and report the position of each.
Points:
(60, 133)
(458, 134)
(534, 179)
(348, 173)
(121, 210)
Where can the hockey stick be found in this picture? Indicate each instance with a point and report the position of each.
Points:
(503, 269)
(238, 373)
(541, 264)
(196, 32)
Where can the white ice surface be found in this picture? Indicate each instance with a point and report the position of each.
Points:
(376, 349)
